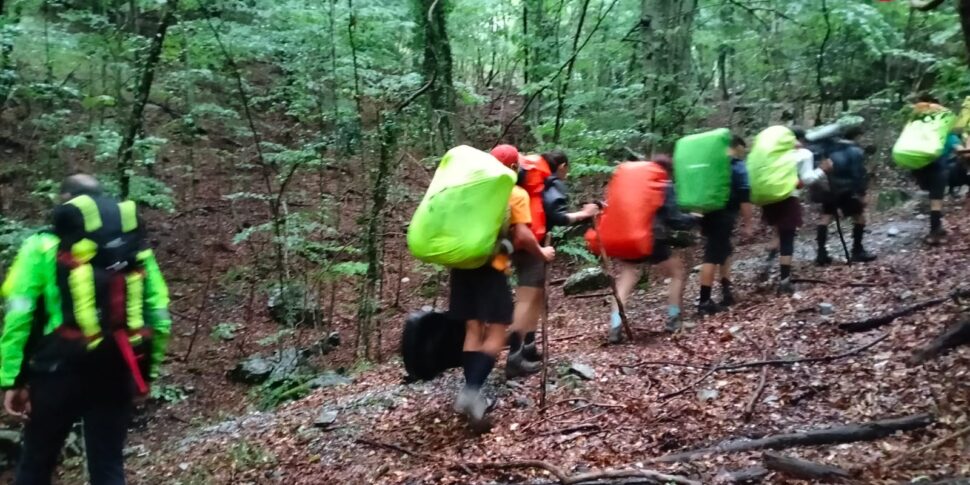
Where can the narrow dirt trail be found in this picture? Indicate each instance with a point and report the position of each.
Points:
(631, 411)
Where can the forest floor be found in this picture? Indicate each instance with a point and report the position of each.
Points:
(656, 395)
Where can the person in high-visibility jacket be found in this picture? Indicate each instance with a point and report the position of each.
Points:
(51, 379)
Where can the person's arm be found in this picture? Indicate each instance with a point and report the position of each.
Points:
(156, 310)
(524, 240)
(22, 290)
(807, 173)
(555, 204)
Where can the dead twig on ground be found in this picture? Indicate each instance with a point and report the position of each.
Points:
(935, 444)
(690, 386)
(827, 436)
(876, 322)
(806, 470)
(749, 409)
(579, 478)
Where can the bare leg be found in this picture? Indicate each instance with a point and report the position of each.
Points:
(528, 310)
(626, 281)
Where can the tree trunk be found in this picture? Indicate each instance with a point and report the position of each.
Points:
(141, 98)
(964, 10)
(666, 33)
(437, 67)
(564, 87)
(351, 30)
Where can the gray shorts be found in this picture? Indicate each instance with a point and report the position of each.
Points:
(529, 269)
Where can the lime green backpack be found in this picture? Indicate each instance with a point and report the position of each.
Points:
(459, 220)
(923, 139)
(772, 166)
(702, 171)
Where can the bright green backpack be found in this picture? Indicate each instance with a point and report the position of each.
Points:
(702, 171)
(458, 222)
(923, 139)
(772, 166)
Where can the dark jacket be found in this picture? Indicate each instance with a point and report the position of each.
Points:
(740, 188)
(669, 217)
(555, 202)
(848, 174)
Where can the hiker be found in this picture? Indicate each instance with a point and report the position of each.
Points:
(717, 228)
(482, 298)
(635, 228)
(844, 194)
(60, 364)
(924, 147)
(543, 178)
(778, 166)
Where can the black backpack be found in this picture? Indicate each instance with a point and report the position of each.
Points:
(102, 278)
(431, 344)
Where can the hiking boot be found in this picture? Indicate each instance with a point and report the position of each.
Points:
(616, 335)
(473, 405)
(517, 366)
(936, 237)
(708, 307)
(673, 324)
(823, 258)
(786, 287)
(531, 353)
(727, 297)
(860, 255)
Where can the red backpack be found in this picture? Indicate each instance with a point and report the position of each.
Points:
(634, 195)
(534, 172)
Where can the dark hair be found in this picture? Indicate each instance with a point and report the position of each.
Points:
(664, 161)
(853, 132)
(738, 141)
(799, 132)
(80, 184)
(555, 159)
(926, 97)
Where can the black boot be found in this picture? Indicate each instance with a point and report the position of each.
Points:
(859, 254)
(727, 296)
(821, 236)
(823, 258)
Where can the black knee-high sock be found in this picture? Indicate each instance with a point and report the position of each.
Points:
(515, 342)
(477, 367)
(858, 231)
(705, 293)
(821, 236)
(530, 338)
(936, 220)
(785, 271)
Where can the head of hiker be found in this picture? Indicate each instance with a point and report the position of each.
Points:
(664, 161)
(508, 155)
(558, 163)
(737, 148)
(79, 184)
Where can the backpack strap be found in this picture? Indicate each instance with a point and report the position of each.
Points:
(89, 212)
(129, 216)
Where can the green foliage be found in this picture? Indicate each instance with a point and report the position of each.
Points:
(224, 331)
(168, 393)
(276, 337)
(246, 455)
(12, 234)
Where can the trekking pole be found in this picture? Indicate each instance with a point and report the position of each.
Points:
(545, 329)
(838, 227)
(608, 268)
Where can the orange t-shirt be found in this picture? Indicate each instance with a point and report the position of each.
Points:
(519, 213)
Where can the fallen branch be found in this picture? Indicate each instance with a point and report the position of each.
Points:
(690, 386)
(591, 295)
(936, 444)
(747, 475)
(569, 337)
(802, 469)
(840, 434)
(580, 478)
(844, 284)
(645, 363)
(390, 446)
(749, 409)
(876, 322)
(571, 429)
(826, 358)
(554, 416)
(954, 336)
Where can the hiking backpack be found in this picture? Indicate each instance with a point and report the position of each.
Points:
(101, 276)
(459, 220)
(703, 169)
(634, 195)
(923, 139)
(533, 173)
(772, 166)
(431, 343)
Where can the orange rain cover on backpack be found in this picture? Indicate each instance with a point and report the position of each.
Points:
(535, 172)
(633, 196)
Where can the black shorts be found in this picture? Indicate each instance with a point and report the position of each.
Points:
(530, 270)
(783, 215)
(716, 227)
(481, 294)
(849, 204)
(661, 253)
(933, 179)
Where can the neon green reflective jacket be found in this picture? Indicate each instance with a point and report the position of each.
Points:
(32, 278)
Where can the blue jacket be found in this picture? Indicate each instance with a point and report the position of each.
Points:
(740, 188)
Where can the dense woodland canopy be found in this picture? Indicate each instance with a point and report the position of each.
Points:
(301, 133)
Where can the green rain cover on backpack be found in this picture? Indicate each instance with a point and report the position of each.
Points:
(772, 166)
(458, 222)
(702, 170)
(923, 139)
